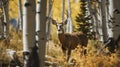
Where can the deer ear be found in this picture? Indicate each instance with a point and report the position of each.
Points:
(54, 21)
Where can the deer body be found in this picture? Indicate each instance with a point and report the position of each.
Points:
(66, 38)
(69, 41)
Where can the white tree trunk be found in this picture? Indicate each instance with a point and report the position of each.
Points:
(63, 9)
(116, 20)
(69, 26)
(96, 22)
(94, 19)
(42, 33)
(110, 16)
(99, 23)
(48, 29)
(1, 28)
(116, 24)
(28, 25)
(1, 23)
(49, 25)
(104, 23)
(38, 16)
(28, 29)
(20, 18)
(6, 19)
(38, 20)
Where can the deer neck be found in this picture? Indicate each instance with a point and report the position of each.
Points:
(61, 35)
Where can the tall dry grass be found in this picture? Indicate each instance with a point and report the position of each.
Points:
(54, 50)
(15, 43)
(89, 60)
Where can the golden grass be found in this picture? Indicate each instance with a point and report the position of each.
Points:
(54, 50)
(90, 60)
(15, 44)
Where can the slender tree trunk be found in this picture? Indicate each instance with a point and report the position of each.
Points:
(104, 26)
(1, 22)
(42, 34)
(29, 33)
(38, 16)
(108, 20)
(110, 16)
(1, 28)
(48, 26)
(116, 15)
(38, 25)
(63, 10)
(116, 24)
(99, 23)
(94, 19)
(50, 3)
(20, 19)
(38, 20)
(6, 20)
(69, 26)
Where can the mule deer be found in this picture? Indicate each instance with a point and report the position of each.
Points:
(69, 41)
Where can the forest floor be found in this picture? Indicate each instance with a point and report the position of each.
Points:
(55, 56)
(91, 59)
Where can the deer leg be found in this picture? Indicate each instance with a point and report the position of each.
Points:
(83, 51)
(64, 52)
(68, 54)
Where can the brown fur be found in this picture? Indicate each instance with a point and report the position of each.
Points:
(71, 41)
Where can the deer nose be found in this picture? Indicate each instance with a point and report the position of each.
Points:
(58, 29)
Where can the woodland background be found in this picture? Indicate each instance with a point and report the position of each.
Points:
(53, 50)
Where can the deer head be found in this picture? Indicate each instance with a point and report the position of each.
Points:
(60, 26)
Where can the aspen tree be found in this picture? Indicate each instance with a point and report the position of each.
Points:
(1, 21)
(48, 24)
(20, 19)
(6, 21)
(100, 22)
(38, 20)
(63, 10)
(42, 33)
(28, 32)
(69, 26)
(49, 14)
(104, 23)
(116, 24)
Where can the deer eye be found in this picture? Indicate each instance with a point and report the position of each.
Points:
(60, 26)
